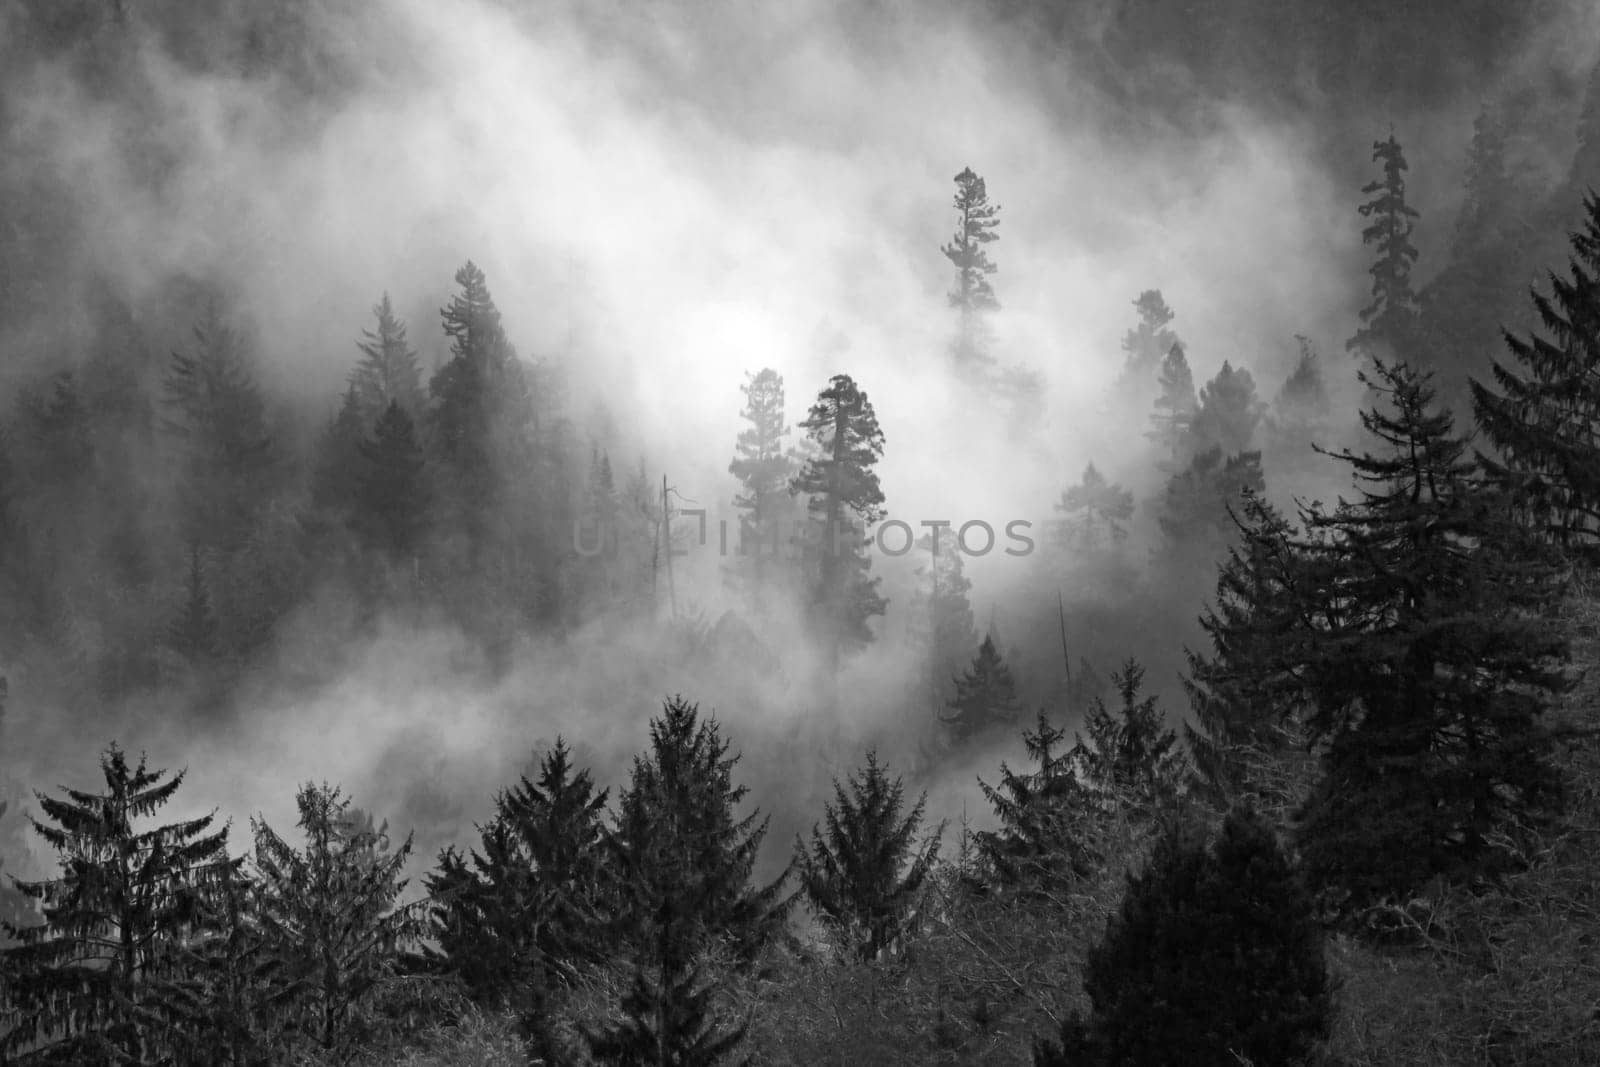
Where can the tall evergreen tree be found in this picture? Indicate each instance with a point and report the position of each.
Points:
(1049, 819)
(843, 489)
(1130, 754)
(83, 983)
(331, 921)
(764, 467)
(1215, 958)
(667, 1010)
(1194, 512)
(973, 297)
(1176, 406)
(986, 697)
(866, 875)
(1388, 324)
(388, 371)
(218, 416)
(1428, 691)
(193, 634)
(1247, 695)
(1145, 347)
(391, 492)
(1095, 513)
(1229, 412)
(677, 838)
(529, 907)
(1543, 413)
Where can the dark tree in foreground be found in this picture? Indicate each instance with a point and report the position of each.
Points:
(82, 986)
(1130, 753)
(843, 489)
(866, 875)
(528, 906)
(677, 838)
(1215, 958)
(1049, 820)
(667, 1011)
(1247, 694)
(986, 697)
(1543, 413)
(1429, 688)
(331, 919)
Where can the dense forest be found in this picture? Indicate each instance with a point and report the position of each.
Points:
(856, 535)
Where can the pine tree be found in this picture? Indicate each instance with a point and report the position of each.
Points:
(1247, 696)
(668, 1009)
(1049, 820)
(388, 372)
(866, 876)
(1095, 514)
(986, 697)
(973, 297)
(1215, 958)
(391, 491)
(82, 983)
(1428, 689)
(1145, 347)
(1130, 754)
(483, 425)
(1388, 324)
(764, 468)
(529, 907)
(193, 634)
(1228, 414)
(843, 490)
(218, 416)
(1195, 516)
(218, 1003)
(1176, 406)
(1544, 418)
(677, 838)
(330, 919)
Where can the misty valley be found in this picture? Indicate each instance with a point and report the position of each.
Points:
(699, 533)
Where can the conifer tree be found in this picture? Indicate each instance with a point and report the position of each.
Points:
(866, 875)
(1049, 820)
(667, 1010)
(1145, 347)
(83, 984)
(1247, 695)
(843, 489)
(1194, 512)
(986, 697)
(1301, 415)
(1215, 958)
(973, 297)
(1095, 513)
(1429, 688)
(331, 921)
(1388, 324)
(193, 634)
(1543, 413)
(1130, 754)
(217, 414)
(1228, 414)
(764, 467)
(1176, 405)
(529, 906)
(677, 837)
(388, 371)
(391, 492)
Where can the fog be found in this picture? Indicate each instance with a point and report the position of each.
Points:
(664, 198)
